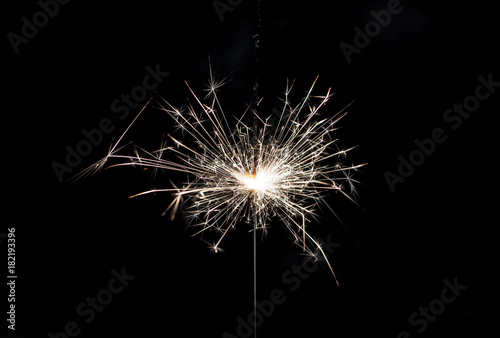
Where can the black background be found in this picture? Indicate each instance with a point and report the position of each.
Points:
(396, 247)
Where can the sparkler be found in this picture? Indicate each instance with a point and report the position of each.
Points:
(253, 174)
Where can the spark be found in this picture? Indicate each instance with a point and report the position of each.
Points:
(236, 173)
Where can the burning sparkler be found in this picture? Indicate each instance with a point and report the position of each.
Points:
(241, 173)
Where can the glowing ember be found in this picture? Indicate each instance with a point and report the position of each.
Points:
(237, 173)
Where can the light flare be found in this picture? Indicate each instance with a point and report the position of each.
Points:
(280, 170)
(260, 182)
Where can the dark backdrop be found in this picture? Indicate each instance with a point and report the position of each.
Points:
(397, 247)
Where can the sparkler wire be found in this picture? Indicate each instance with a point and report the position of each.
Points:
(256, 39)
(255, 268)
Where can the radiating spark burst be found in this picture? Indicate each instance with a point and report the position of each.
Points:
(241, 173)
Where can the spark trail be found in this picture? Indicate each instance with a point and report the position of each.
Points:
(236, 173)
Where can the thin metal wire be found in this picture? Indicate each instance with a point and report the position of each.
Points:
(256, 40)
(255, 272)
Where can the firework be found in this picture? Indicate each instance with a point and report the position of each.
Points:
(239, 173)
